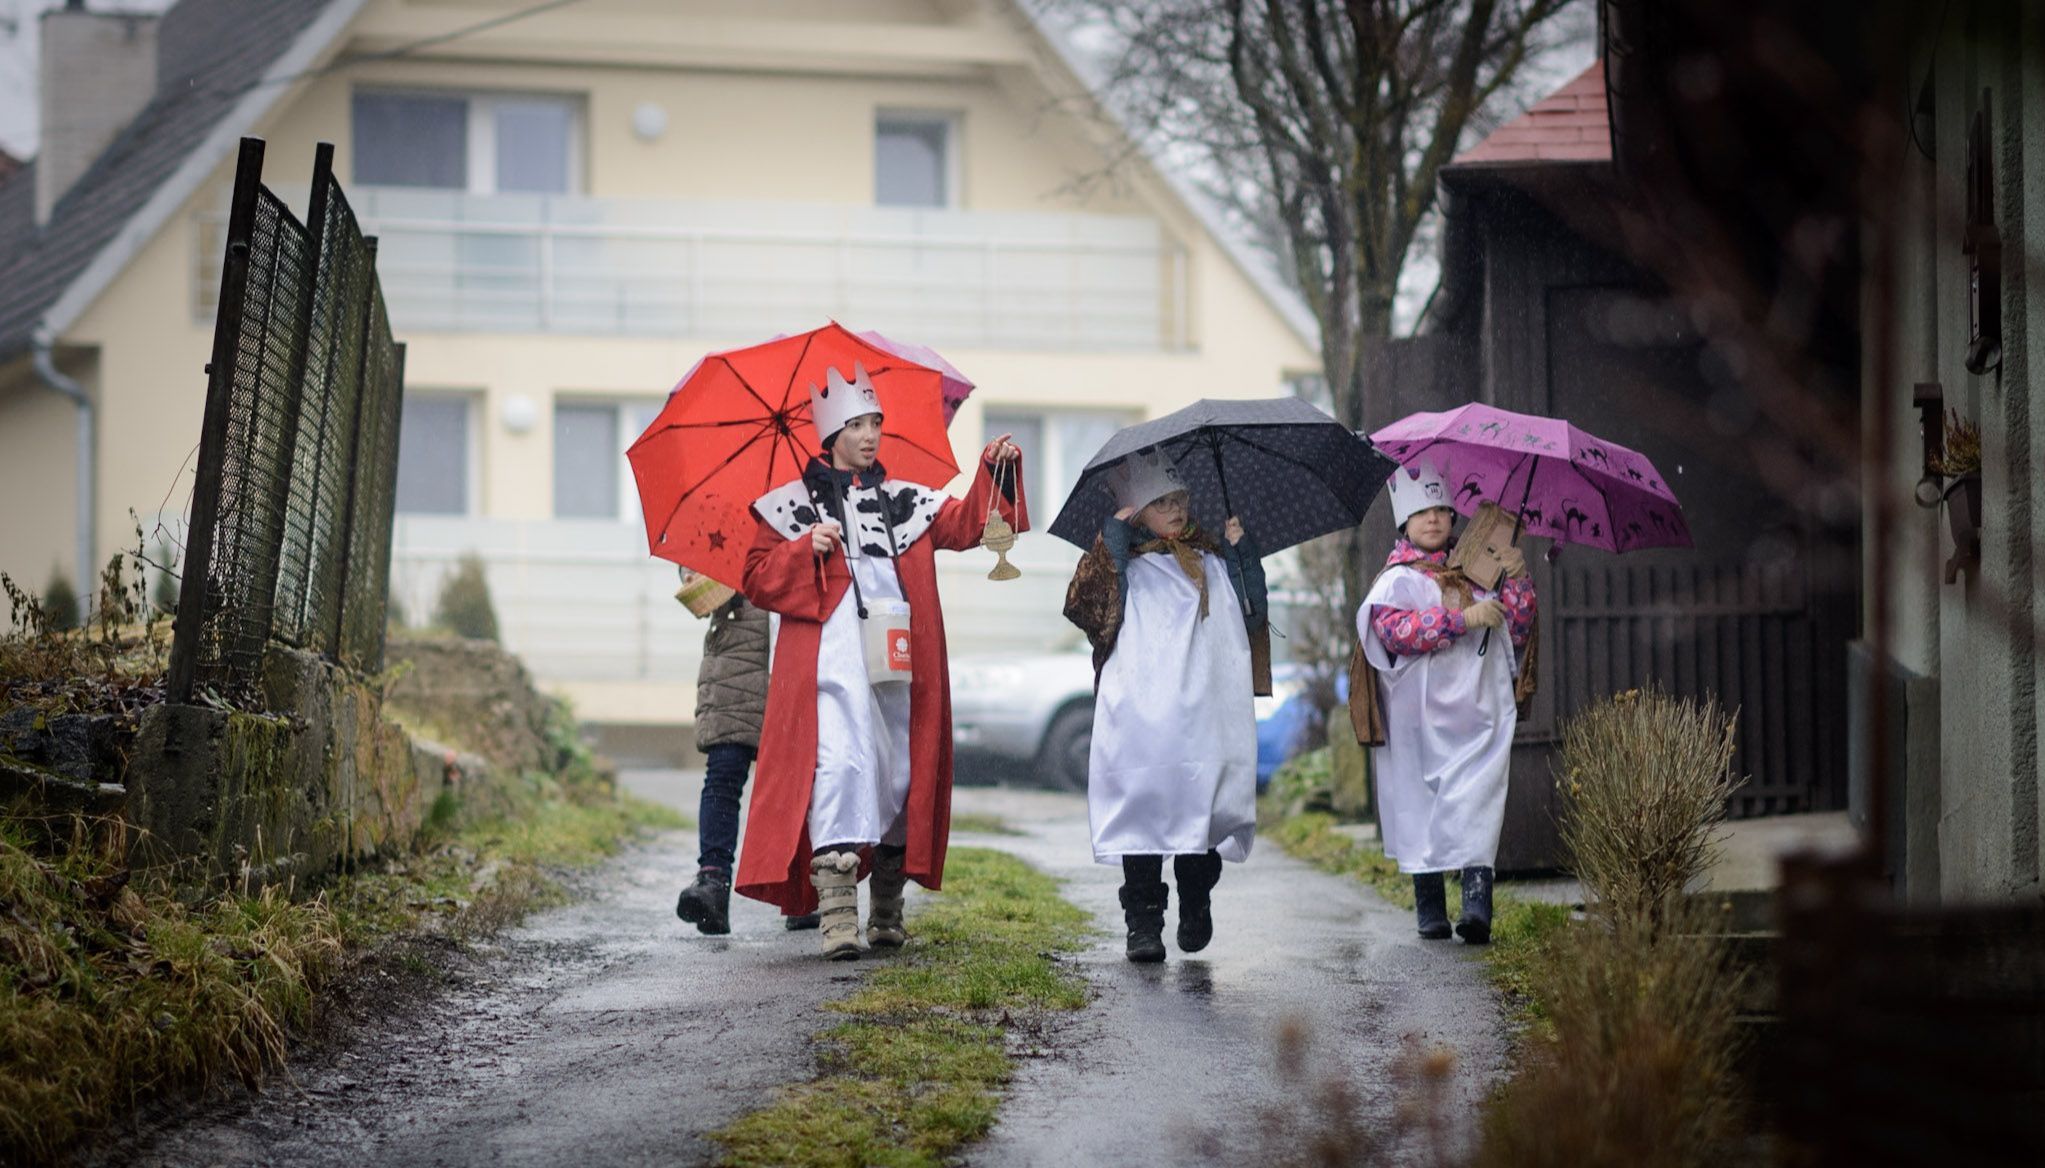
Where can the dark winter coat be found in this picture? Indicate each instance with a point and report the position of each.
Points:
(731, 687)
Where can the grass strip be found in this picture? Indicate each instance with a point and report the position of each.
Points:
(116, 987)
(1522, 931)
(982, 823)
(914, 1071)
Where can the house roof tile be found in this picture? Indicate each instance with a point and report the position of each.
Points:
(209, 53)
(1572, 124)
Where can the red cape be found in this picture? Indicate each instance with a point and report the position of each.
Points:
(784, 575)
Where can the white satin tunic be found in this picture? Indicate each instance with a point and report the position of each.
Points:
(1173, 769)
(1449, 721)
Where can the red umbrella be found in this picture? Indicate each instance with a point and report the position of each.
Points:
(739, 425)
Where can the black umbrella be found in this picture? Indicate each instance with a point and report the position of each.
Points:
(1287, 469)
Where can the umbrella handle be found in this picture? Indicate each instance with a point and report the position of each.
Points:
(1484, 645)
(1235, 571)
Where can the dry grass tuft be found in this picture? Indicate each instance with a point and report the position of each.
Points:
(1644, 779)
(1637, 1064)
(109, 992)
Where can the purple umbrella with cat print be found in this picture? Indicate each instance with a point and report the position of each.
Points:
(1565, 484)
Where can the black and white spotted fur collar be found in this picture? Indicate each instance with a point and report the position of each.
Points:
(910, 507)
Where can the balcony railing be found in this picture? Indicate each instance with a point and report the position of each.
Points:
(455, 262)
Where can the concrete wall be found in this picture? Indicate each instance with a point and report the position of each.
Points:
(1972, 791)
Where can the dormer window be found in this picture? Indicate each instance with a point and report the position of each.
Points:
(483, 144)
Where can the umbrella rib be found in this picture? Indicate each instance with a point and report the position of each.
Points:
(714, 425)
(713, 473)
(780, 436)
(808, 339)
(757, 395)
(925, 450)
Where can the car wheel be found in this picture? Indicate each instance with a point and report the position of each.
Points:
(1062, 760)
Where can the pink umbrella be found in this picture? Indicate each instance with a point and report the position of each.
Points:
(956, 385)
(1571, 487)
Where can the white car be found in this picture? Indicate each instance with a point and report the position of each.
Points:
(1038, 709)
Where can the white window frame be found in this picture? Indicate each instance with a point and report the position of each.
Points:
(472, 454)
(1054, 454)
(954, 169)
(622, 405)
(482, 132)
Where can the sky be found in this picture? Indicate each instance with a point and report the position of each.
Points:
(18, 39)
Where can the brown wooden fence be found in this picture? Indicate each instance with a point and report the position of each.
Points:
(1744, 634)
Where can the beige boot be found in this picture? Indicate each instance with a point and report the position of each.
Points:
(836, 876)
(884, 917)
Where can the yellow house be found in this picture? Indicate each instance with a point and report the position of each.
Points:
(573, 204)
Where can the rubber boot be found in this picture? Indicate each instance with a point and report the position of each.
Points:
(1196, 876)
(1431, 905)
(1475, 927)
(706, 904)
(799, 922)
(884, 915)
(836, 876)
(1143, 909)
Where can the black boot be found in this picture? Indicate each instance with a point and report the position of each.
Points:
(1143, 908)
(1431, 905)
(706, 904)
(1196, 876)
(1475, 927)
(798, 923)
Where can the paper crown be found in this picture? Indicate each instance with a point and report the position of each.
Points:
(840, 401)
(1142, 479)
(1416, 489)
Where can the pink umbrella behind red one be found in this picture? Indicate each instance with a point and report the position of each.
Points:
(1565, 484)
(956, 386)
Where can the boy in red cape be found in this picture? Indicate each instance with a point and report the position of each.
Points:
(855, 771)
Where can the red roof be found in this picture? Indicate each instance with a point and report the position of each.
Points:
(1572, 124)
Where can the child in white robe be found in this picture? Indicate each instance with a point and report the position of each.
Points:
(1173, 764)
(1449, 701)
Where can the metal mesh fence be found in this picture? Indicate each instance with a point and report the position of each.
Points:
(291, 511)
(309, 585)
(366, 589)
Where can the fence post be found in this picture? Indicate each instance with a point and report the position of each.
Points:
(347, 540)
(193, 590)
(316, 246)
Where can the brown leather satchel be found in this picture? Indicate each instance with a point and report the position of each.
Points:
(1366, 717)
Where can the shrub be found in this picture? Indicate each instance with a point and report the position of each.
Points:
(60, 604)
(464, 607)
(1644, 779)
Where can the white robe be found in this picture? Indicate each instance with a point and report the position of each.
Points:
(1449, 720)
(862, 780)
(1173, 769)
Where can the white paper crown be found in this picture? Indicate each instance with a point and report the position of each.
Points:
(1416, 489)
(840, 401)
(1142, 479)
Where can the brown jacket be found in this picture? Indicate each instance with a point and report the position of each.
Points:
(731, 687)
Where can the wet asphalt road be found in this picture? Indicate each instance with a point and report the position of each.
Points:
(1179, 1063)
(608, 1033)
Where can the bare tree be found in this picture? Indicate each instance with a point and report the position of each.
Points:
(1322, 123)
(1323, 126)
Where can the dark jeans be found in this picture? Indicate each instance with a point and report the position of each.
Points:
(717, 821)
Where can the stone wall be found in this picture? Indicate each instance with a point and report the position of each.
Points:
(275, 798)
